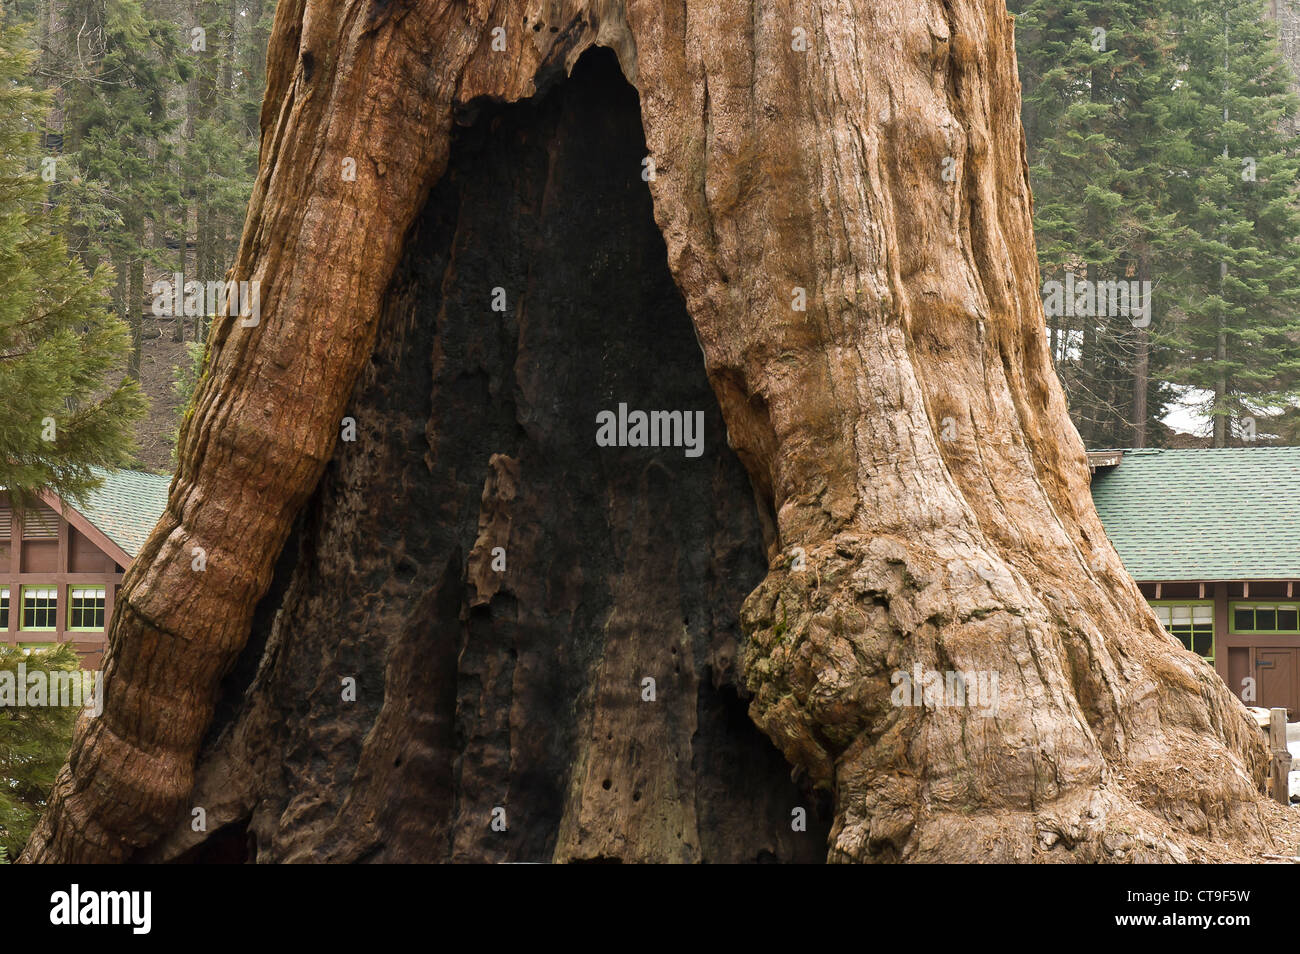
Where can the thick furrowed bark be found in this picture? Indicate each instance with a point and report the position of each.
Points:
(907, 428)
(519, 687)
(342, 83)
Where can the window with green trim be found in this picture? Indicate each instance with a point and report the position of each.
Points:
(86, 608)
(40, 603)
(4, 607)
(1265, 617)
(1192, 624)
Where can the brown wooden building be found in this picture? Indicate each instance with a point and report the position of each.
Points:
(1212, 537)
(61, 561)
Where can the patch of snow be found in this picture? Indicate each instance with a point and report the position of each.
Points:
(1187, 413)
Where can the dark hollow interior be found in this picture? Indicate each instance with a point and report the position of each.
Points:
(621, 563)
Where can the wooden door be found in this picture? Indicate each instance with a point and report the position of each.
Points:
(1276, 670)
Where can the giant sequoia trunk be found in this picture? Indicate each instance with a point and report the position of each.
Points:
(888, 479)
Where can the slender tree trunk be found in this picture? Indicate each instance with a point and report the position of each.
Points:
(122, 266)
(1142, 361)
(231, 33)
(919, 493)
(1141, 381)
(1221, 388)
(135, 303)
(52, 43)
(1221, 349)
(183, 217)
(1091, 371)
(189, 187)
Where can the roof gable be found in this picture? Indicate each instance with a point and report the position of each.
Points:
(126, 506)
(1204, 514)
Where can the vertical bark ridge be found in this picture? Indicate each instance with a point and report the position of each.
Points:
(516, 689)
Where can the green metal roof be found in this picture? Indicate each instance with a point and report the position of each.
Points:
(126, 506)
(1204, 514)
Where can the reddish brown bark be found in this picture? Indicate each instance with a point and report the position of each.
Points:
(906, 429)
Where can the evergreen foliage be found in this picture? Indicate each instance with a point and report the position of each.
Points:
(60, 346)
(1138, 176)
(34, 742)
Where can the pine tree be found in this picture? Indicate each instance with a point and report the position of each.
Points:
(219, 157)
(1096, 79)
(61, 411)
(1238, 274)
(34, 743)
(115, 72)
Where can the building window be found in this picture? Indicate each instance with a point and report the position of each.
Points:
(1191, 623)
(86, 608)
(4, 607)
(1265, 617)
(39, 606)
